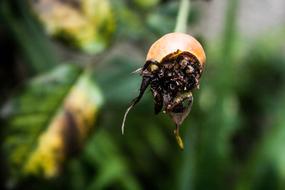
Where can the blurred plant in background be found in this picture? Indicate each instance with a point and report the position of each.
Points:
(62, 102)
(77, 23)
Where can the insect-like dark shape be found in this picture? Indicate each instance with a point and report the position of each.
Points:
(173, 68)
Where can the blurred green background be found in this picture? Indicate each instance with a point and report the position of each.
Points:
(66, 81)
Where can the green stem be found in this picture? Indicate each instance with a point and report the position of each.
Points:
(181, 22)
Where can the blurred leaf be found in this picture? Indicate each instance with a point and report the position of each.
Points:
(146, 4)
(86, 24)
(48, 121)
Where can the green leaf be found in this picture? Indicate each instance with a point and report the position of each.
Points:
(48, 121)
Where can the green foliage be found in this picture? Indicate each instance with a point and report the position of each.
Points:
(47, 121)
(28, 114)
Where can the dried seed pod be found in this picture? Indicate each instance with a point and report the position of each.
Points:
(173, 67)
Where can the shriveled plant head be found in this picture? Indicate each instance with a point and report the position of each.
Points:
(173, 67)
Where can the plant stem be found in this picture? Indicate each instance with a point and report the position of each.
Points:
(181, 21)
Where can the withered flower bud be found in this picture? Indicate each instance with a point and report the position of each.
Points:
(173, 67)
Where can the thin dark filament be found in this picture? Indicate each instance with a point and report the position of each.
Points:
(144, 85)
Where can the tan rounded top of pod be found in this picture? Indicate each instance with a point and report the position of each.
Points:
(171, 42)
